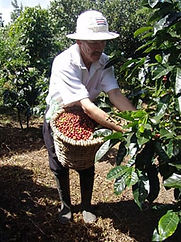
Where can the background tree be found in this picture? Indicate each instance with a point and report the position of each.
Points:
(63, 15)
(16, 11)
(34, 33)
(123, 17)
(26, 67)
(1, 21)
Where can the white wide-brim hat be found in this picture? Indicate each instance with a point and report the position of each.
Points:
(92, 25)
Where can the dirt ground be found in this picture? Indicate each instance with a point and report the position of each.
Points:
(29, 199)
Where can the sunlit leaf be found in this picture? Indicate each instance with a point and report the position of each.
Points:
(173, 181)
(156, 119)
(178, 166)
(164, 72)
(127, 179)
(140, 190)
(114, 136)
(127, 64)
(119, 185)
(156, 236)
(166, 133)
(117, 172)
(168, 224)
(158, 58)
(160, 24)
(145, 45)
(169, 148)
(142, 30)
(102, 150)
(102, 132)
(178, 86)
(153, 3)
(142, 138)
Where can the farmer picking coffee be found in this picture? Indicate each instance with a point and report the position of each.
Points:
(78, 76)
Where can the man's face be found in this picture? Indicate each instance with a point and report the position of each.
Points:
(91, 50)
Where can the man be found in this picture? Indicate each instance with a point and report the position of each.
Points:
(78, 76)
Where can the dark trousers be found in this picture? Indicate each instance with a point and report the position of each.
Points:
(62, 174)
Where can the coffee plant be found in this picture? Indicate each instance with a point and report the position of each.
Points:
(21, 91)
(152, 140)
(25, 59)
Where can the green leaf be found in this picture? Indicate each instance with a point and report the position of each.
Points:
(169, 148)
(168, 224)
(178, 81)
(145, 155)
(161, 152)
(173, 181)
(147, 35)
(102, 150)
(102, 132)
(128, 64)
(153, 3)
(151, 48)
(156, 119)
(145, 45)
(105, 147)
(132, 149)
(154, 184)
(178, 137)
(117, 171)
(167, 21)
(178, 86)
(142, 30)
(164, 133)
(127, 179)
(158, 58)
(160, 24)
(134, 178)
(156, 236)
(114, 136)
(142, 140)
(129, 139)
(119, 185)
(126, 115)
(140, 190)
(164, 72)
(138, 114)
(178, 166)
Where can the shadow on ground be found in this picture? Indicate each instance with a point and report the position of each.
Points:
(23, 140)
(23, 217)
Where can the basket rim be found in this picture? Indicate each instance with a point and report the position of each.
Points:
(58, 135)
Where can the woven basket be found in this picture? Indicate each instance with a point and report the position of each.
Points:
(75, 154)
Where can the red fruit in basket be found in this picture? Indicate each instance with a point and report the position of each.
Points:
(75, 124)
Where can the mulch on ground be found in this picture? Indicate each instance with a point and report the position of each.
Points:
(29, 198)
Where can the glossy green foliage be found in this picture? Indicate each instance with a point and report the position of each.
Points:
(152, 140)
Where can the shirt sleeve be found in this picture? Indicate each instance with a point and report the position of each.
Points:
(66, 82)
(109, 81)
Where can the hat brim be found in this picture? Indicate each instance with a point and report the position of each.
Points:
(93, 36)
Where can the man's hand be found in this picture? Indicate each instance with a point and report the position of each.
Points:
(99, 115)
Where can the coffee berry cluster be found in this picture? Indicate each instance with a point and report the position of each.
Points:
(75, 124)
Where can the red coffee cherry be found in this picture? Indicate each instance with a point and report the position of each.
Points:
(75, 124)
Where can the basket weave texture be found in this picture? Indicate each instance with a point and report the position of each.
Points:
(74, 154)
